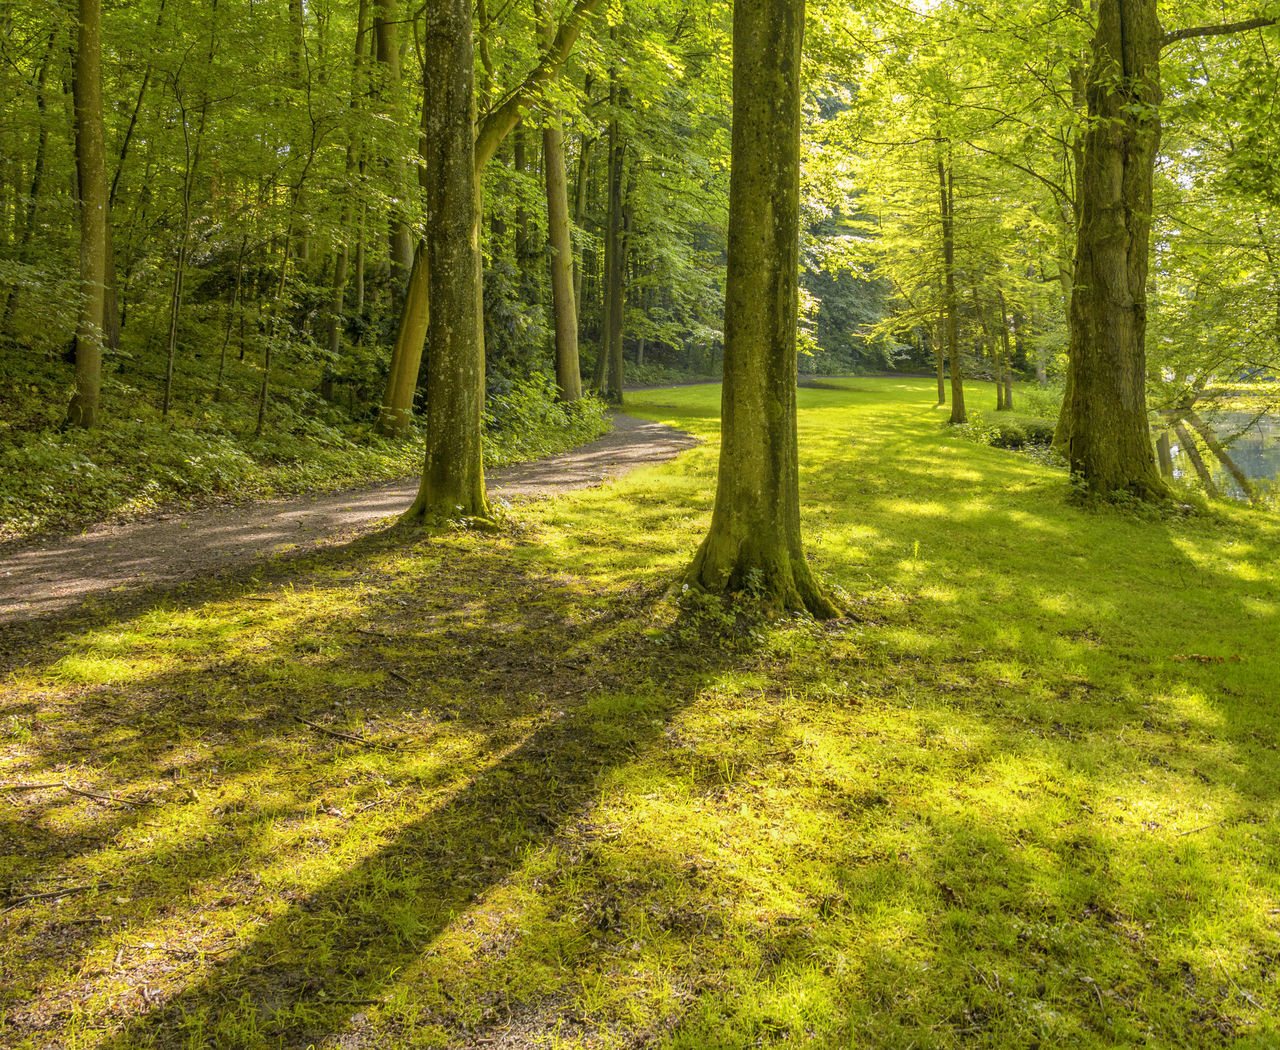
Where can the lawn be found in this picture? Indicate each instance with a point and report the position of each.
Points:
(497, 789)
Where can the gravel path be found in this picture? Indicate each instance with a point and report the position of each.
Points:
(51, 574)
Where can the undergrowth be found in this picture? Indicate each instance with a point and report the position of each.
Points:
(138, 462)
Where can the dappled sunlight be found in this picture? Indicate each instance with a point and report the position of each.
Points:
(439, 789)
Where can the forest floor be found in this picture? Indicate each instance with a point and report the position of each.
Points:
(469, 789)
(50, 574)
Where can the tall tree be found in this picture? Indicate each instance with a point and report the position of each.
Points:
(1107, 439)
(1108, 443)
(754, 541)
(564, 304)
(91, 168)
(453, 473)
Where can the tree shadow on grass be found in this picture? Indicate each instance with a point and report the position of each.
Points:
(497, 696)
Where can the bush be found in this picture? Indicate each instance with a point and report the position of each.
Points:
(523, 420)
(1010, 431)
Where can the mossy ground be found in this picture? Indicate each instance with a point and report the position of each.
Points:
(466, 788)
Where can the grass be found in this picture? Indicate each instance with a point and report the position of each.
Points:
(492, 789)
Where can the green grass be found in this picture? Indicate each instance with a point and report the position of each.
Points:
(1026, 796)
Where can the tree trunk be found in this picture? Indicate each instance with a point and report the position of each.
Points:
(564, 305)
(754, 542)
(940, 355)
(1008, 355)
(400, 236)
(1107, 438)
(396, 412)
(580, 209)
(91, 163)
(946, 193)
(607, 380)
(453, 471)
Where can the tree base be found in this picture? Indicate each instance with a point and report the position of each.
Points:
(426, 513)
(778, 586)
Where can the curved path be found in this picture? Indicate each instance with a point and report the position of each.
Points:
(51, 574)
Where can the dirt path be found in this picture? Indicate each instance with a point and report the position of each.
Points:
(51, 574)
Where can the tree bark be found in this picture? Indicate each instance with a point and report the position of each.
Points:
(940, 355)
(754, 542)
(1107, 439)
(453, 471)
(608, 379)
(91, 164)
(387, 52)
(1008, 355)
(396, 413)
(563, 304)
(946, 193)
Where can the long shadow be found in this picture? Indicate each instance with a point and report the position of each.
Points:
(480, 642)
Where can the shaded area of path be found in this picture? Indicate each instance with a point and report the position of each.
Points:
(52, 574)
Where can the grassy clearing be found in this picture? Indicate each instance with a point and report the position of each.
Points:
(462, 789)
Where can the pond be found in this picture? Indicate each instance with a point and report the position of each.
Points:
(1256, 450)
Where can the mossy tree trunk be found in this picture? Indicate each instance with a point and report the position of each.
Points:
(453, 472)
(91, 166)
(395, 415)
(564, 305)
(1107, 438)
(754, 541)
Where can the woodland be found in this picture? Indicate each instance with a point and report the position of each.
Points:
(913, 683)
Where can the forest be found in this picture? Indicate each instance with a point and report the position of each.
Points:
(588, 523)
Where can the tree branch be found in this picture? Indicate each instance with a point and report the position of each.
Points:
(498, 123)
(1216, 30)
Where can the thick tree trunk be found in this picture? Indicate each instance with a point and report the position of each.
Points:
(453, 471)
(91, 163)
(754, 543)
(1107, 437)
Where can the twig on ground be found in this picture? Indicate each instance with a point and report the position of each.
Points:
(27, 898)
(399, 677)
(351, 737)
(1215, 824)
(74, 790)
(1240, 991)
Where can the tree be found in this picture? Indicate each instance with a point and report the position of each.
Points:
(1108, 441)
(754, 542)
(91, 169)
(397, 403)
(453, 473)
